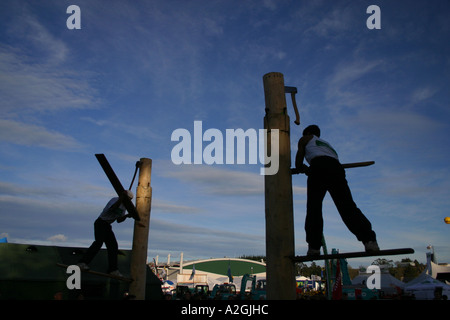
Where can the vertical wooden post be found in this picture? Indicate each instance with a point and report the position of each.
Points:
(140, 236)
(181, 263)
(278, 196)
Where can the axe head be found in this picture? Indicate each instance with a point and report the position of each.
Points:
(290, 89)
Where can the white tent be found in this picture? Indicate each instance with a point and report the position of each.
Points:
(438, 270)
(423, 287)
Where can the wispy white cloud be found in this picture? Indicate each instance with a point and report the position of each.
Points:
(221, 181)
(161, 206)
(423, 93)
(345, 86)
(335, 22)
(403, 132)
(56, 190)
(35, 82)
(218, 181)
(34, 72)
(28, 85)
(13, 189)
(31, 135)
(53, 50)
(58, 238)
(270, 4)
(203, 241)
(140, 132)
(415, 186)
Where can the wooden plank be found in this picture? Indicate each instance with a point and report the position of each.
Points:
(117, 185)
(389, 252)
(96, 273)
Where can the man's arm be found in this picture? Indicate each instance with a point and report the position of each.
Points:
(122, 219)
(128, 215)
(299, 166)
(115, 205)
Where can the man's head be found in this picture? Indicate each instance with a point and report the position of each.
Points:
(312, 129)
(130, 194)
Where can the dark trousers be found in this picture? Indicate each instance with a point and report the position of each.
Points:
(103, 234)
(327, 174)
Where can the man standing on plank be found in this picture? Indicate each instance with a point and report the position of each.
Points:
(114, 210)
(326, 173)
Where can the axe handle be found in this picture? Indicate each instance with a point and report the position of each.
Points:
(345, 165)
(358, 164)
(297, 116)
(138, 164)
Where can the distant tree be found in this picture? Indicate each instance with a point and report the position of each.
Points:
(407, 270)
(383, 262)
(303, 269)
(352, 272)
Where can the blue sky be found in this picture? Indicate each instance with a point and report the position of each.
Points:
(138, 70)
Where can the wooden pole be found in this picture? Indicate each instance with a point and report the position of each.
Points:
(140, 236)
(280, 244)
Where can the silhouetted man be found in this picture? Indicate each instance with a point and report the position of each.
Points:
(114, 210)
(325, 173)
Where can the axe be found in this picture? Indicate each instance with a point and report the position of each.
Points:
(293, 91)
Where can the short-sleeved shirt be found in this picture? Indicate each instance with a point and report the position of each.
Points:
(317, 147)
(110, 215)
